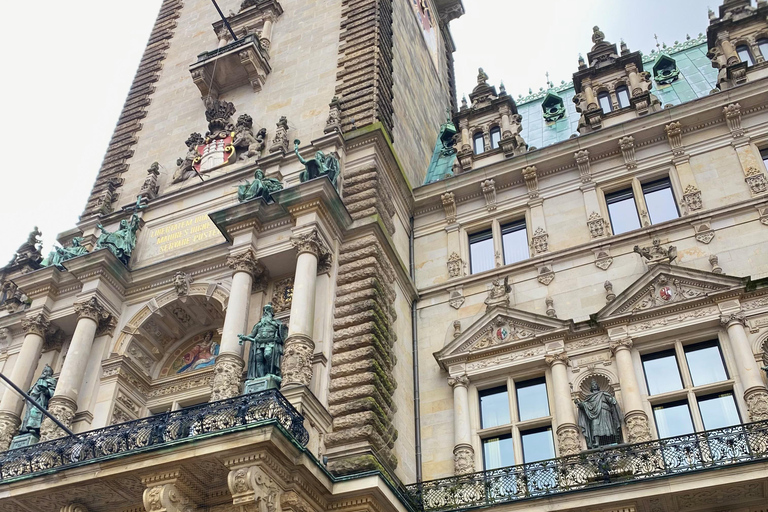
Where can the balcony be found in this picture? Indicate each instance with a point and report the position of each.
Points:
(241, 62)
(161, 431)
(727, 447)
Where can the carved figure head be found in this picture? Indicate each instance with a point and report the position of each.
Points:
(245, 121)
(593, 386)
(269, 309)
(47, 371)
(259, 175)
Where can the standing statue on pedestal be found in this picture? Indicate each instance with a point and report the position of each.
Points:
(321, 165)
(59, 255)
(41, 392)
(267, 339)
(599, 417)
(259, 187)
(122, 242)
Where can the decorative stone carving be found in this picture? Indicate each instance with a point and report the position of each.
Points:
(185, 167)
(36, 324)
(627, 146)
(312, 243)
(603, 258)
(334, 116)
(596, 225)
(283, 295)
(455, 298)
(449, 205)
(246, 262)
(703, 231)
(692, 198)
(498, 295)
(531, 178)
(297, 360)
(74, 507)
(166, 498)
(756, 180)
(559, 358)
(463, 460)
(539, 241)
(731, 318)
(550, 302)
(181, 282)
(638, 430)
(456, 328)
(624, 343)
(455, 265)
(226, 377)
(545, 273)
(9, 425)
(582, 161)
(757, 404)
(12, 298)
(489, 191)
(28, 254)
(655, 253)
(733, 118)
(253, 490)
(150, 187)
(675, 136)
(246, 144)
(609, 295)
(713, 261)
(280, 141)
(762, 212)
(122, 242)
(92, 309)
(63, 409)
(568, 440)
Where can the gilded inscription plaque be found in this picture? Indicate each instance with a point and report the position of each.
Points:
(179, 237)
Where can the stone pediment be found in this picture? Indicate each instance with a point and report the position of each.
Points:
(501, 328)
(667, 287)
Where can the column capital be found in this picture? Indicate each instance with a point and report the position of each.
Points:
(727, 320)
(458, 381)
(310, 242)
(92, 309)
(559, 358)
(246, 262)
(621, 344)
(36, 324)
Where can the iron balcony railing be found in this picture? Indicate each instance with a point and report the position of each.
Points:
(160, 431)
(596, 468)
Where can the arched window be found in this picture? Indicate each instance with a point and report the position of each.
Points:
(604, 99)
(622, 93)
(495, 137)
(478, 143)
(762, 45)
(745, 55)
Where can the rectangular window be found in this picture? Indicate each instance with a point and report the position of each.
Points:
(532, 399)
(622, 211)
(605, 103)
(479, 143)
(538, 445)
(498, 452)
(494, 407)
(514, 240)
(661, 372)
(660, 201)
(495, 138)
(718, 411)
(622, 94)
(481, 252)
(705, 363)
(673, 419)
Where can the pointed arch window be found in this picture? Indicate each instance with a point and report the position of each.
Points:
(762, 45)
(622, 94)
(604, 100)
(745, 55)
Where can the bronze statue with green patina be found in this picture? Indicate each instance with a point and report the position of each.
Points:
(261, 186)
(59, 255)
(267, 339)
(599, 417)
(122, 242)
(321, 165)
(41, 393)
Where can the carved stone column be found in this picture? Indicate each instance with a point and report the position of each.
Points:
(638, 430)
(299, 346)
(228, 368)
(35, 327)
(463, 453)
(63, 404)
(567, 431)
(755, 393)
(253, 490)
(171, 491)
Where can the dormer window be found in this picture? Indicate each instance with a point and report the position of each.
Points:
(604, 99)
(745, 55)
(665, 70)
(553, 108)
(479, 143)
(762, 45)
(495, 137)
(622, 94)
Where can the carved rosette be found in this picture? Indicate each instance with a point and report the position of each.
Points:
(313, 244)
(63, 409)
(757, 404)
(253, 490)
(463, 460)
(596, 225)
(165, 498)
(36, 324)
(455, 265)
(9, 427)
(227, 372)
(297, 360)
(638, 430)
(246, 262)
(92, 309)
(568, 440)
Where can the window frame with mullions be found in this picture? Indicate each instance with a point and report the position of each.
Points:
(478, 237)
(638, 191)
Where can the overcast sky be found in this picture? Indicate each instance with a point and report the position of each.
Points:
(68, 68)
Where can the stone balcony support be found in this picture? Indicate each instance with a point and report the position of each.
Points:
(35, 328)
(755, 393)
(636, 419)
(172, 491)
(229, 364)
(567, 431)
(463, 453)
(63, 404)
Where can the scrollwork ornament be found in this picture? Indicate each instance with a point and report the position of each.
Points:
(459, 380)
(9, 426)
(36, 324)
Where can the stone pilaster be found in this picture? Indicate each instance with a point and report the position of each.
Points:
(755, 393)
(567, 431)
(638, 430)
(463, 453)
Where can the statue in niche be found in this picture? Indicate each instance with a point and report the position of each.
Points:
(246, 144)
(321, 165)
(59, 255)
(259, 187)
(267, 338)
(185, 167)
(599, 417)
(41, 392)
(122, 242)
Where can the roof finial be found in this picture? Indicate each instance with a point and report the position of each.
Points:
(482, 77)
(656, 37)
(597, 36)
(502, 89)
(549, 84)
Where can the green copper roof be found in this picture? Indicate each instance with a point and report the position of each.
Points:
(697, 78)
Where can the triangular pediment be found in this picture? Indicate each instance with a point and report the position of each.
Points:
(502, 327)
(668, 287)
